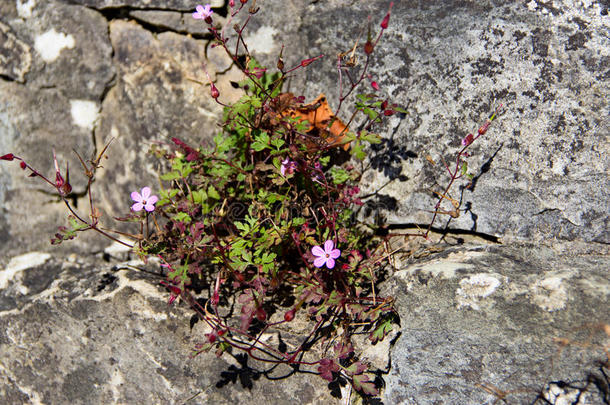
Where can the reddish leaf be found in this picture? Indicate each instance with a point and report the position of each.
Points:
(363, 384)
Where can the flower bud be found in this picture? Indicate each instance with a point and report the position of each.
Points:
(8, 156)
(386, 19)
(261, 315)
(211, 337)
(484, 128)
(214, 91)
(307, 62)
(280, 64)
(23, 165)
(215, 298)
(468, 140)
(289, 316)
(369, 47)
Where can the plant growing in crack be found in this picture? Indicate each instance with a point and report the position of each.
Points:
(265, 220)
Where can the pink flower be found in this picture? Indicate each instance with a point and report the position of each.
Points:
(288, 167)
(325, 256)
(144, 200)
(258, 72)
(202, 12)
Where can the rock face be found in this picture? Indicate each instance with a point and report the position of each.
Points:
(488, 320)
(541, 172)
(81, 333)
(476, 319)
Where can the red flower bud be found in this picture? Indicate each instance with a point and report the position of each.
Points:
(369, 47)
(386, 19)
(375, 85)
(384, 104)
(243, 1)
(289, 316)
(214, 91)
(23, 165)
(8, 156)
(215, 298)
(261, 315)
(63, 186)
(307, 62)
(468, 140)
(484, 128)
(388, 113)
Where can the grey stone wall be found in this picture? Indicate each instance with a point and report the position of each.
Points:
(478, 318)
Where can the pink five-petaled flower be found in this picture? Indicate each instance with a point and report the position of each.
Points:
(202, 12)
(144, 200)
(325, 256)
(288, 167)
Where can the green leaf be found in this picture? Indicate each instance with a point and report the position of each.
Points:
(199, 196)
(298, 221)
(261, 141)
(245, 228)
(170, 176)
(382, 330)
(370, 137)
(464, 168)
(182, 217)
(212, 193)
(363, 383)
(324, 160)
(339, 175)
(357, 150)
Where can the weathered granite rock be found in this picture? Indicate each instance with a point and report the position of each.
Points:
(473, 315)
(72, 98)
(542, 169)
(74, 332)
(155, 98)
(57, 107)
(184, 5)
(15, 56)
(175, 21)
(475, 320)
(488, 316)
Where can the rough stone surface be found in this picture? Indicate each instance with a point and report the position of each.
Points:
(73, 332)
(475, 319)
(542, 169)
(488, 316)
(15, 56)
(175, 21)
(185, 5)
(56, 107)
